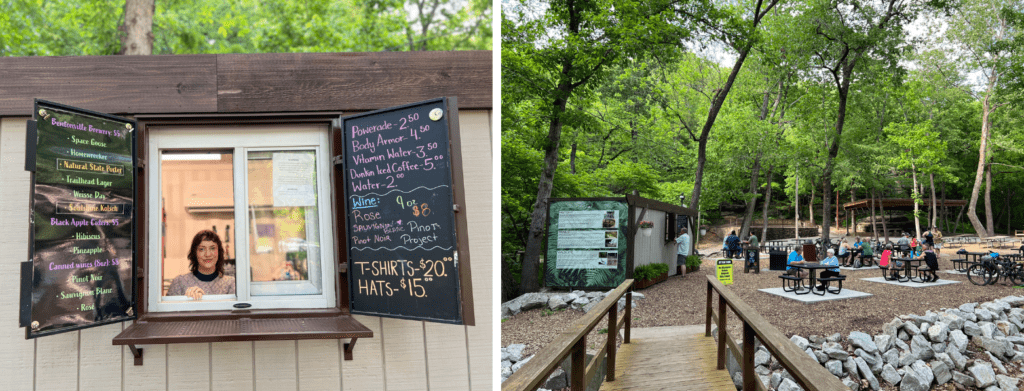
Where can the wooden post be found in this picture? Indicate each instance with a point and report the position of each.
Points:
(579, 365)
(707, 324)
(721, 332)
(613, 333)
(748, 358)
(629, 316)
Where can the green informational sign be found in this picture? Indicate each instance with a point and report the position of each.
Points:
(723, 271)
(587, 245)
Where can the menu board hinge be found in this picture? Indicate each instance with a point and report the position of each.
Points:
(140, 164)
(31, 139)
(338, 160)
(455, 207)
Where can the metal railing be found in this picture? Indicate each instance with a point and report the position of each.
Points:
(805, 370)
(573, 341)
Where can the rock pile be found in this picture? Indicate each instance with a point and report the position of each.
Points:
(512, 359)
(975, 345)
(580, 300)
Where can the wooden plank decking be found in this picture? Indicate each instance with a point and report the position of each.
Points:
(668, 358)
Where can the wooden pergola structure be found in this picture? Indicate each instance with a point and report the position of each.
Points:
(890, 204)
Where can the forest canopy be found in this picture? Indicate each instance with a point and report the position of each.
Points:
(755, 107)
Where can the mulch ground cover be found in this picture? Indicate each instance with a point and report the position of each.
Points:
(681, 300)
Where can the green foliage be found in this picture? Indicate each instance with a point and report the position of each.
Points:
(693, 261)
(90, 27)
(649, 271)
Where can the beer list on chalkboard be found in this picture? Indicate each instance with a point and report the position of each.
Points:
(403, 259)
(82, 232)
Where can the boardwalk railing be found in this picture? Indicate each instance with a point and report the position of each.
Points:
(805, 370)
(573, 340)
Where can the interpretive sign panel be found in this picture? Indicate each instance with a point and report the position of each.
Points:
(82, 234)
(404, 260)
(586, 243)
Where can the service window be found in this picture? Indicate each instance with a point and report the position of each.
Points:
(243, 216)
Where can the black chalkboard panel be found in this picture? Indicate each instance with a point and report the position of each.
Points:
(82, 235)
(403, 258)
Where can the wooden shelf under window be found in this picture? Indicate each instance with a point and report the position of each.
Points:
(170, 331)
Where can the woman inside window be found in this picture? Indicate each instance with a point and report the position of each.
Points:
(206, 262)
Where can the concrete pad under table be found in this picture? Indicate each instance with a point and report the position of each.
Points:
(814, 298)
(912, 284)
(872, 267)
(953, 272)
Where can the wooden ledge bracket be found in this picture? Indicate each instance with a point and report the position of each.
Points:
(137, 352)
(348, 349)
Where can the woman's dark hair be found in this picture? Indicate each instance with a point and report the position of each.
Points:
(193, 261)
(733, 233)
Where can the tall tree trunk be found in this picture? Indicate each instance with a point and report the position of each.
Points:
(945, 209)
(535, 239)
(796, 208)
(767, 200)
(972, 213)
(934, 210)
(138, 27)
(719, 98)
(874, 228)
(915, 197)
(989, 222)
(881, 206)
(1008, 195)
(572, 159)
(810, 205)
(748, 214)
(958, 217)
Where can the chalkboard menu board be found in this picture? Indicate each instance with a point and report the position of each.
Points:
(81, 238)
(587, 243)
(404, 258)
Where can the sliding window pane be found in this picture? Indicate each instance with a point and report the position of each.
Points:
(284, 228)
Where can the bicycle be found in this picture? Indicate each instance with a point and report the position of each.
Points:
(988, 271)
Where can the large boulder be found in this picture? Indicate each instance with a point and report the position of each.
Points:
(924, 370)
(1007, 383)
(941, 372)
(890, 375)
(959, 361)
(862, 340)
(959, 340)
(865, 373)
(835, 350)
(533, 300)
(983, 374)
(789, 385)
(938, 332)
(556, 303)
(761, 357)
(515, 352)
(972, 329)
(913, 381)
(835, 367)
(963, 379)
(884, 342)
(997, 347)
(920, 346)
(800, 342)
(558, 380)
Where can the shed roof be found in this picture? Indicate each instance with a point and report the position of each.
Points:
(900, 203)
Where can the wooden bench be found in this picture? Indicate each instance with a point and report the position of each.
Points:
(792, 283)
(828, 280)
(1019, 233)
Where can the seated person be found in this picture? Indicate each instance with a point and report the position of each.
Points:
(794, 257)
(913, 248)
(931, 262)
(844, 253)
(904, 243)
(867, 254)
(887, 263)
(831, 260)
(733, 243)
(855, 254)
(206, 263)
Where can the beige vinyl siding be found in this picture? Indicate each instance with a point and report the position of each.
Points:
(653, 249)
(402, 355)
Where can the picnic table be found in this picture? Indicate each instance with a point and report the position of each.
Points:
(813, 268)
(906, 268)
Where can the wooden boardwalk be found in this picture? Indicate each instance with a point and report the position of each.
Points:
(668, 358)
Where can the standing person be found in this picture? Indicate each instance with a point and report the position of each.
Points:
(682, 249)
(938, 240)
(929, 238)
(734, 244)
(753, 248)
(832, 272)
(913, 247)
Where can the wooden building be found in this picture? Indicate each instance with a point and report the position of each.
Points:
(248, 93)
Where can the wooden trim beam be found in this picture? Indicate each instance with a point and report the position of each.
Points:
(246, 83)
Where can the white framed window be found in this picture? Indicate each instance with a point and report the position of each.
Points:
(265, 191)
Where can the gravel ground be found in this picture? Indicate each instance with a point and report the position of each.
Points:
(681, 300)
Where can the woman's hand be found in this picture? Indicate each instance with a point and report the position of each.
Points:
(195, 293)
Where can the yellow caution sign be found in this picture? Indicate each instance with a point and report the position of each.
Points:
(723, 271)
